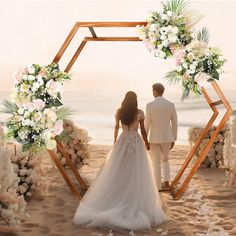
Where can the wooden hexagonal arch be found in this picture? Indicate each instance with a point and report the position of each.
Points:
(176, 190)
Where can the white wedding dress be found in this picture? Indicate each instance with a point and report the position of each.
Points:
(124, 194)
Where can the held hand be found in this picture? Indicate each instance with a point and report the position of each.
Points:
(172, 145)
(147, 145)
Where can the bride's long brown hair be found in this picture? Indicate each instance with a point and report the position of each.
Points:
(128, 109)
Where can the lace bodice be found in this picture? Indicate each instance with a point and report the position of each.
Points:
(134, 126)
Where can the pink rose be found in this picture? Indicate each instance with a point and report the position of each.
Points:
(201, 78)
(148, 45)
(179, 55)
(38, 104)
(53, 87)
(58, 127)
(18, 75)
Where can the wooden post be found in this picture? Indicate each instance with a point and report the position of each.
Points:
(64, 174)
(177, 193)
(64, 152)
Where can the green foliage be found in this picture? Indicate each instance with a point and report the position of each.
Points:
(176, 6)
(203, 35)
(173, 77)
(9, 107)
(64, 113)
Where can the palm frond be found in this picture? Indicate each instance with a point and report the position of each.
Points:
(64, 113)
(9, 107)
(203, 35)
(192, 18)
(185, 94)
(172, 77)
(176, 6)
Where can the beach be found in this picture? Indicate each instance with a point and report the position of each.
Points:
(206, 206)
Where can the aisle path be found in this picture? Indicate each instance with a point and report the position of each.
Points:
(207, 206)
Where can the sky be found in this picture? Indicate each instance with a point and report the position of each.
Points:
(32, 31)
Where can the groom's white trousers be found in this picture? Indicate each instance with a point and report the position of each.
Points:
(159, 155)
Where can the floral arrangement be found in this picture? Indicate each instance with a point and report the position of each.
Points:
(230, 153)
(12, 205)
(170, 33)
(30, 175)
(215, 156)
(76, 142)
(37, 111)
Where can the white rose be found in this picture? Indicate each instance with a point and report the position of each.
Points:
(31, 77)
(26, 122)
(51, 144)
(153, 27)
(165, 43)
(21, 111)
(40, 80)
(35, 86)
(31, 70)
(46, 134)
(165, 17)
(185, 65)
(179, 68)
(172, 38)
(192, 67)
(51, 115)
(162, 54)
(163, 37)
(191, 71)
(24, 77)
(175, 30)
(169, 28)
(189, 48)
(169, 13)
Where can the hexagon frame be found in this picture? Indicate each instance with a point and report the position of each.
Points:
(177, 192)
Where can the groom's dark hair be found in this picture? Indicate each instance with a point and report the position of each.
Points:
(158, 88)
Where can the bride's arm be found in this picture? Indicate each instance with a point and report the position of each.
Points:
(116, 130)
(144, 134)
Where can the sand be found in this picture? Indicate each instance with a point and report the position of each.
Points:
(207, 206)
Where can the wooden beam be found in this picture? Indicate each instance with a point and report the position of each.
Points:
(91, 29)
(64, 174)
(64, 152)
(216, 103)
(65, 44)
(77, 53)
(198, 142)
(112, 39)
(110, 24)
(207, 148)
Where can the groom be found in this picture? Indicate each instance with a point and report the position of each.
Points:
(161, 121)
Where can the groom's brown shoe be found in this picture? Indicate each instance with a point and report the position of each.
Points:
(165, 187)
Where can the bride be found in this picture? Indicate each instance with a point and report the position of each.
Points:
(124, 195)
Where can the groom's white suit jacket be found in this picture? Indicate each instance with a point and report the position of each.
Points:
(161, 121)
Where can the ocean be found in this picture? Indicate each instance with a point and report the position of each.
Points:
(94, 111)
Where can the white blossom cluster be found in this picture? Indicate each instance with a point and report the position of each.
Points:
(31, 177)
(230, 153)
(36, 107)
(12, 205)
(76, 142)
